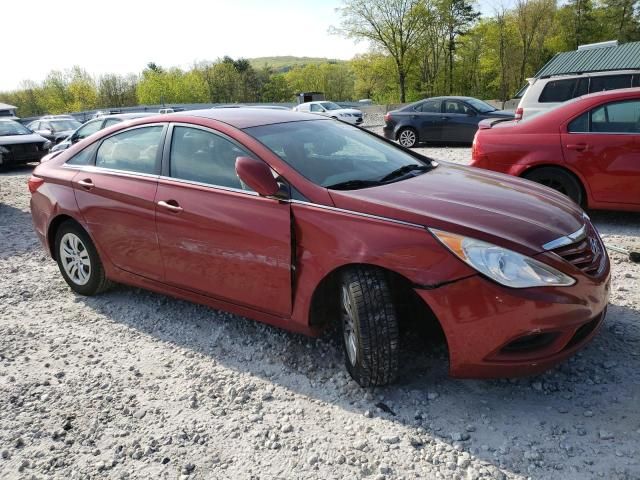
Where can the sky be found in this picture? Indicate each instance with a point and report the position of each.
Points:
(122, 36)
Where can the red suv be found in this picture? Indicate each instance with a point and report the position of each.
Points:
(587, 148)
(300, 221)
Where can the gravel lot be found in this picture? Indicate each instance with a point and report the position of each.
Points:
(131, 384)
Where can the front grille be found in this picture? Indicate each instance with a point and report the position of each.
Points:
(587, 253)
(26, 151)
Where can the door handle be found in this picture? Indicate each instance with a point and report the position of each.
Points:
(170, 206)
(444, 118)
(580, 147)
(87, 183)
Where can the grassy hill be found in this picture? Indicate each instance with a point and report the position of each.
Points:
(285, 63)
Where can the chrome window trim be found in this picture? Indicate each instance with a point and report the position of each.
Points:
(109, 171)
(359, 214)
(209, 185)
(565, 240)
(603, 133)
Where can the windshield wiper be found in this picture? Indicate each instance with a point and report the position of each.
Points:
(400, 172)
(353, 184)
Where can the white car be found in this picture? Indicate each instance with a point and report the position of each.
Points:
(542, 94)
(333, 110)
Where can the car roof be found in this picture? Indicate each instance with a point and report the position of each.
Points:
(127, 115)
(247, 117)
(619, 92)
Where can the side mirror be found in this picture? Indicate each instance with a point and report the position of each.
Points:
(44, 132)
(257, 175)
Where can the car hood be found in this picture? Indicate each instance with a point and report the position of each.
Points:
(498, 208)
(17, 139)
(63, 133)
(345, 110)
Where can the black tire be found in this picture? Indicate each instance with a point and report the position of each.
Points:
(407, 137)
(96, 280)
(372, 328)
(558, 179)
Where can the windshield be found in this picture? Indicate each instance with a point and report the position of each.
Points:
(12, 128)
(62, 125)
(337, 155)
(480, 106)
(331, 106)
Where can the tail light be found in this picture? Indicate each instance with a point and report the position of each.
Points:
(476, 151)
(519, 113)
(34, 183)
(387, 117)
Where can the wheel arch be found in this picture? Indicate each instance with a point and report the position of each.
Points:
(586, 194)
(54, 225)
(324, 305)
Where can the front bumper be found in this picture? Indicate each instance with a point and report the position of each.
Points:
(494, 331)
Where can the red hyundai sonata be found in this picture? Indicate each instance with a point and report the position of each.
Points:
(587, 148)
(300, 221)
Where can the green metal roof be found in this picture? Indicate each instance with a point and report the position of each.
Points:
(621, 57)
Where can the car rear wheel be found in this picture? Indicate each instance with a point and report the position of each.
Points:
(407, 137)
(559, 180)
(78, 260)
(369, 326)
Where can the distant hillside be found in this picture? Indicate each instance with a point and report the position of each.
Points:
(283, 64)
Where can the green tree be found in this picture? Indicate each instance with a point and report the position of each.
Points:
(390, 25)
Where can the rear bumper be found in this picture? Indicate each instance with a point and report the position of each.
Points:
(389, 132)
(493, 331)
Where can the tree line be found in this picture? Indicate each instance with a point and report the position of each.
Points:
(419, 48)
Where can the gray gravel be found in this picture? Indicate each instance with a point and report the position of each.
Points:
(131, 384)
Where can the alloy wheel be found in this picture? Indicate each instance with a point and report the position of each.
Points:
(75, 259)
(349, 326)
(407, 138)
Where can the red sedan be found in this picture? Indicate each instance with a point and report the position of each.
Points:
(587, 148)
(300, 221)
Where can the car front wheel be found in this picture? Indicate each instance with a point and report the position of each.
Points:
(407, 137)
(78, 260)
(369, 326)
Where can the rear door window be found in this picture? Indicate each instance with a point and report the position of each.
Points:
(558, 91)
(619, 117)
(610, 82)
(132, 151)
(430, 106)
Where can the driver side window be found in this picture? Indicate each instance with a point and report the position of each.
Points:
(316, 108)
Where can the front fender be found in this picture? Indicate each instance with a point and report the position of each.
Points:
(328, 238)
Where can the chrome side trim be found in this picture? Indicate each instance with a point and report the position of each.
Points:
(109, 171)
(567, 239)
(359, 214)
(208, 185)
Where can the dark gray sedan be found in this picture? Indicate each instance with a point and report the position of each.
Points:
(20, 145)
(439, 120)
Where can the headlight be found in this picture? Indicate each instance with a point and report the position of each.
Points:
(3, 150)
(502, 265)
(46, 145)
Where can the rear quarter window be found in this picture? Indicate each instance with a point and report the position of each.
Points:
(558, 91)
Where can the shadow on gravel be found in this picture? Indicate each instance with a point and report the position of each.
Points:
(498, 421)
(13, 223)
